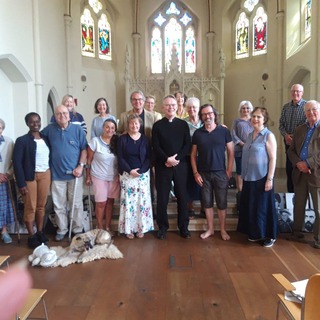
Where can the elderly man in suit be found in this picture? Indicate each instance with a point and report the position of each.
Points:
(138, 99)
(304, 153)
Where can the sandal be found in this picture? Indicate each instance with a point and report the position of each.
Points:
(130, 236)
(140, 235)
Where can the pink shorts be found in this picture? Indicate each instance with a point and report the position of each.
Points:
(105, 189)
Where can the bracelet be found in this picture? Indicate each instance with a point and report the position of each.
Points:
(269, 179)
(195, 173)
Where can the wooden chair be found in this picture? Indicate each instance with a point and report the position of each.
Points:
(4, 259)
(309, 309)
(34, 297)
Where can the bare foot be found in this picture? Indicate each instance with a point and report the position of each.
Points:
(206, 234)
(224, 235)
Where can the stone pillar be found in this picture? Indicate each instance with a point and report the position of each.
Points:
(67, 27)
(210, 58)
(37, 58)
(136, 47)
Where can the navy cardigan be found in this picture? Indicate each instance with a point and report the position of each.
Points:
(24, 158)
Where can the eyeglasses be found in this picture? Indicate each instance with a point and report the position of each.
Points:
(137, 100)
(207, 114)
(312, 110)
(170, 104)
(245, 108)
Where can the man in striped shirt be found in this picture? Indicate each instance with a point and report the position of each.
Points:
(292, 116)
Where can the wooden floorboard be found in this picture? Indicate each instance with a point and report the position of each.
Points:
(173, 279)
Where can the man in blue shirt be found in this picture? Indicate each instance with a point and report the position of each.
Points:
(67, 142)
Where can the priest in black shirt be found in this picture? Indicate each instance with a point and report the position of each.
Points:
(171, 144)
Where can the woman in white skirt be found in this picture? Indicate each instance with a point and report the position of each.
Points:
(134, 168)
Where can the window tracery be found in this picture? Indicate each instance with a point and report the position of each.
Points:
(173, 36)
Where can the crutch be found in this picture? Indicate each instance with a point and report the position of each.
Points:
(90, 209)
(14, 210)
(72, 208)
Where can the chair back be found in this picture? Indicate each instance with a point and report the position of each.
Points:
(311, 305)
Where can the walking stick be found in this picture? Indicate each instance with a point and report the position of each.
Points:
(72, 209)
(90, 209)
(14, 210)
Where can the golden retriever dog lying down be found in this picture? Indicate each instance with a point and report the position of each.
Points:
(89, 246)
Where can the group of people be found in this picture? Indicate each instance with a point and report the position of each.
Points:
(255, 157)
(186, 150)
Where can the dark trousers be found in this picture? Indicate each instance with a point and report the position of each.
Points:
(289, 169)
(164, 177)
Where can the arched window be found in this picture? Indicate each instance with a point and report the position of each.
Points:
(173, 36)
(87, 34)
(260, 32)
(95, 25)
(104, 38)
(251, 30)
(307, 19)
(242, 36)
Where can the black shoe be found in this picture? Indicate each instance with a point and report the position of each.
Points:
(33, 242)
(185, 234)
(42, 237)
(162, 234)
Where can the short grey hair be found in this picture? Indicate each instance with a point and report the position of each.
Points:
(243, 103)
(194, 101)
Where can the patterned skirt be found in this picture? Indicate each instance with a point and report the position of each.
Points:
(6, 210)
(135, 204)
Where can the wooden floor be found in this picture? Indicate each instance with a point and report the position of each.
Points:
(173, 279)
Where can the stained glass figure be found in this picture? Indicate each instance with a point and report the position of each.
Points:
(242, 36)
(190, 51)
(173, 35)
(87, 34)
(307, 17)
(104, 38)
(260, 32)
(156, 51)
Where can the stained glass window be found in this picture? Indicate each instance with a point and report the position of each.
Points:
(173, 35)
(173, 39)
(190, 51)
(242, 36)
(260, 32)
(104, 38)
(250, 4)
(156, 51)
(307, 17)
(95, 5)
(87, 34)
(92, 28)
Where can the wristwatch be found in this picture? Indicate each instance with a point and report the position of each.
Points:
(82, 164)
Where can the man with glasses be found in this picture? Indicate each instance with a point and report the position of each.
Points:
(68, 155)
(171, 145)
(304, 153)
(148, 118)
(292, 116)
(210, 143)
